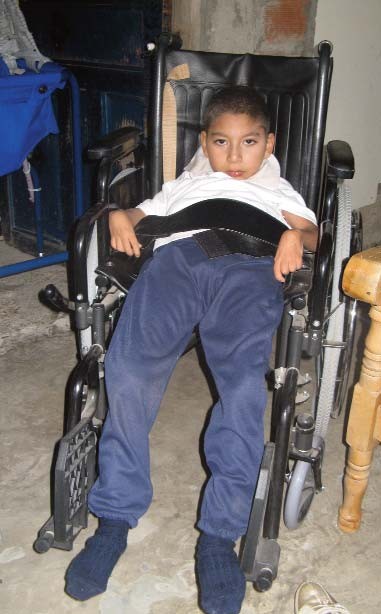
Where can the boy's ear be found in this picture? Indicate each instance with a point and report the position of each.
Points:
(270, 144)
(203, 142)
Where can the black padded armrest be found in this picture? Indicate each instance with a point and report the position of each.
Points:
(340, 161)
(116, 144)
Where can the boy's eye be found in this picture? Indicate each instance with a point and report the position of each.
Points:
(220, 141)
(250, 141)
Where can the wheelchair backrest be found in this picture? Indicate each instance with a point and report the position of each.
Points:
(296, 89)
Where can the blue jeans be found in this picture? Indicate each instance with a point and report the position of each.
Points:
(237, 303)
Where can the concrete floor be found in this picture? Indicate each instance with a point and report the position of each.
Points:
(156, 575)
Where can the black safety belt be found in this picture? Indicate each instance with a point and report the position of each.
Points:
(233, 227)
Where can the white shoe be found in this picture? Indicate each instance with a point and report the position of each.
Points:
(312, 598)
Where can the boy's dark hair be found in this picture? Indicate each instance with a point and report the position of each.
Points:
(237, 99)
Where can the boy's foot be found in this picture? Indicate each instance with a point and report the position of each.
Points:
(312, 598)
(88, 573)
(221, 581)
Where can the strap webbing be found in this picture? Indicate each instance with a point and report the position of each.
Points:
(213, 213)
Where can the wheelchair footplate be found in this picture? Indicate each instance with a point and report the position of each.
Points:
(74, 475)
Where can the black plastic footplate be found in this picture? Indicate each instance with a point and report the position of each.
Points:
(74, 475)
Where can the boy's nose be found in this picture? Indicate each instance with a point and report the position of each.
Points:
(234, 153)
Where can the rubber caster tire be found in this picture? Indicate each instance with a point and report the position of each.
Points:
(264, 581)
(299, 496)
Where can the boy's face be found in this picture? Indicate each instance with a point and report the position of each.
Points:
(236, 145)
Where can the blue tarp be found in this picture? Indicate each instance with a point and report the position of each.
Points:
(26, 113)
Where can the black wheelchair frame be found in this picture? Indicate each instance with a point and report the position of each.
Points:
(99, 283)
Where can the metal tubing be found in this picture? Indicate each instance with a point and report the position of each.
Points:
(330, 205)
(156, 148)
(282, 338)
(86, 372)
(34, 263)
(280, 361)
(294, 350)
(37, 211)
(77, 143)
(103, 239)
(77, 263)
(79, 241)
(322, 94)
(351, 314)
(98, 328)
(286, 401)
(322, 273)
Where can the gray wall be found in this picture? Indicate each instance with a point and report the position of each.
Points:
(355, 107)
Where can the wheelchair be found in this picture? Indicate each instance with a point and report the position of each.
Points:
(317, 323)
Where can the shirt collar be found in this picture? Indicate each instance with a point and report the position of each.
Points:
(268, 175)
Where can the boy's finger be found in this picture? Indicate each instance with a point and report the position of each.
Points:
(135, 246)
(127, 249)
(277, 272)
(119, 244)
(124, 245)
(134, 250)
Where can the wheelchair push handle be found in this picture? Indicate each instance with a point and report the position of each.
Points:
(166, 40)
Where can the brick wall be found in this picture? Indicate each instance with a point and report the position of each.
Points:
(287, 25)
(261, 26)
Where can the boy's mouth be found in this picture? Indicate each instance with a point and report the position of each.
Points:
(235, 174)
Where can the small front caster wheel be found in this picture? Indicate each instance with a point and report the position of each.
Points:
(299, 496)
(264, 580)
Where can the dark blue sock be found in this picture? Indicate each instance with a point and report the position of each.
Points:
(88, 573)
(221, 581)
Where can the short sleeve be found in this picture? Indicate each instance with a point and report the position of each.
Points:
(154, 206)
(158, 205)
(293, 202)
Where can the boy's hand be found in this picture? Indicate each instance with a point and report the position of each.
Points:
(289, 255)
(123, 237)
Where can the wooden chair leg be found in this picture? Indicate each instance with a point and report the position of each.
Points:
(364, 428)
(355, 484)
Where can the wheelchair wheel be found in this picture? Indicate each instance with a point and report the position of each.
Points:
(299, 495)
(338, 379)
(342, 381)
(333, 364)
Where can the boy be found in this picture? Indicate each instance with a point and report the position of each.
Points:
(237, 302)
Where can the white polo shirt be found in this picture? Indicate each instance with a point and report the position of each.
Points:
(266, 190)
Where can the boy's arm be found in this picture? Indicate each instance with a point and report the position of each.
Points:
(289, 255)
(122, 223)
